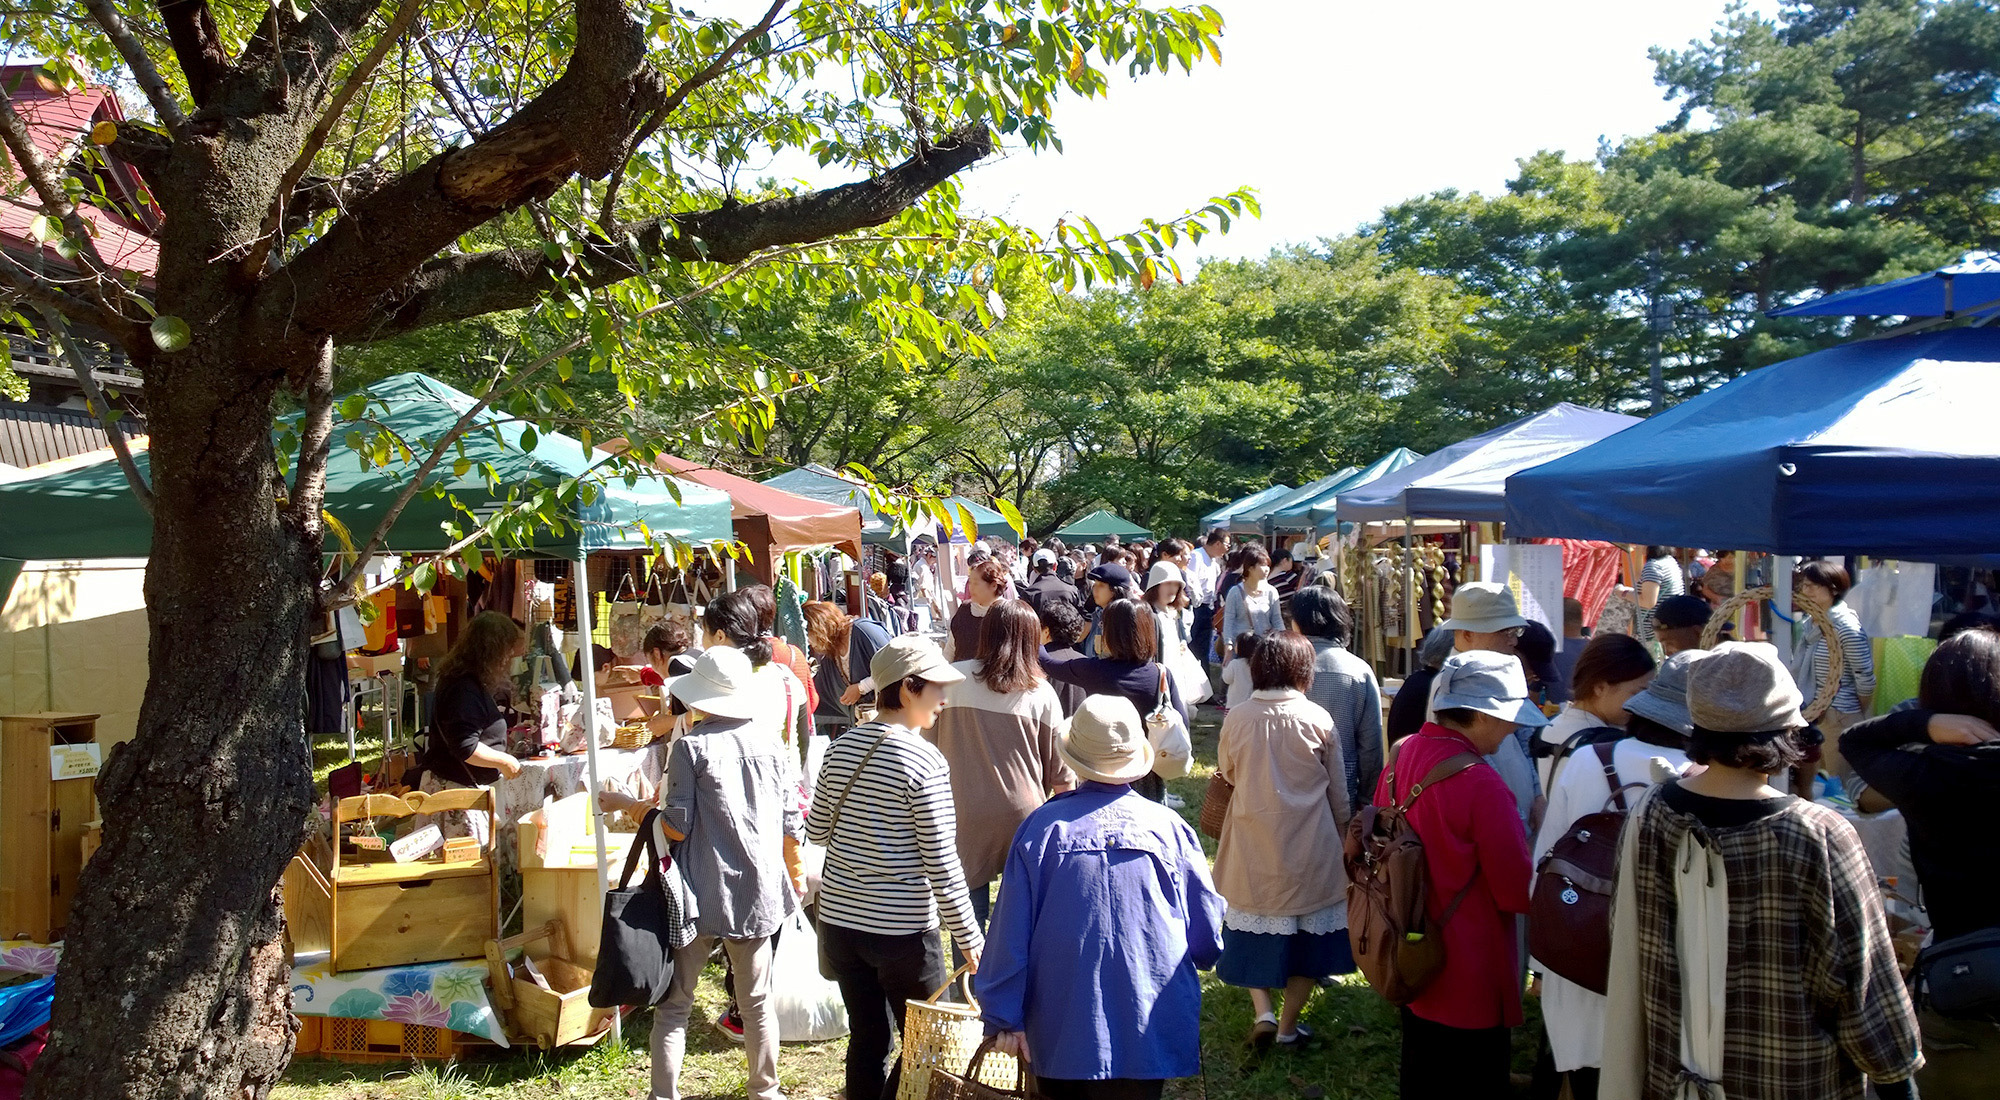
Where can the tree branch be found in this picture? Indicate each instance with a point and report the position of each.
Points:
(330, 115)
(453, 288)
(584, 122)
(42, 178)
(80, 366)
(146, 150)
(143, 71)
(721, 62)
(197, 46)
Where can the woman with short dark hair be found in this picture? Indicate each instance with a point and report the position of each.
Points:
(1749, 952)
(1611, 670)
(1825, 584)
(1343, 685)
(1940, 764)
(1286, 926)
(1129, 640)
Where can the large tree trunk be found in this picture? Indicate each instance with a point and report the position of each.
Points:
(173, 980)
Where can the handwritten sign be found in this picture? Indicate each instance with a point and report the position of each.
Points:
(1534, 574)
(417, 845)
(74, 761)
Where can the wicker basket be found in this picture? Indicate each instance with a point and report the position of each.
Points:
(969, 1085)
(941, 1035)
(633, 736)
(1836, 660)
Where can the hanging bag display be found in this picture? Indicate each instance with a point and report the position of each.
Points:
(635, 959)
(627, 629)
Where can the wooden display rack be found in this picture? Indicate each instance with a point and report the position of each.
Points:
(563, 886)
(552, 1016)
(48, 798)
(386, 913)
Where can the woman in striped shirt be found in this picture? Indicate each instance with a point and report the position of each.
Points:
(1826, 583)
(883, 809)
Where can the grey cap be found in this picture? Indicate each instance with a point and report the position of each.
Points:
(1665, 700)
(1743, 687)
(1489, 683)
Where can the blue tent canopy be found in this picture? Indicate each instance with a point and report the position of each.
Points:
(1466, 480)
(820, 483)
(1969, 288)
(1881, 447)
(1317, 511)
(1221, 516)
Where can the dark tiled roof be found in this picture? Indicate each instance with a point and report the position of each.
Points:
(33, 434)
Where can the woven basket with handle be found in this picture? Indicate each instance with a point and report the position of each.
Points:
(971, 1085)
(940, 1035)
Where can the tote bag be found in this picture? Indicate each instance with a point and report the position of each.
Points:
(635, 961)
(1173, 749)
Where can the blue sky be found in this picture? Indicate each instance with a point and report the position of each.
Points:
(1333, 109)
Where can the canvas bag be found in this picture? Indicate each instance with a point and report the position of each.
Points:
(1173, 749)
(627, 629)
(635, 959)
(1397, 946)
(1569, 916)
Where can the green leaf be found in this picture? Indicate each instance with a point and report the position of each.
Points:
(170, 333)
(42, 227)
(529, 438)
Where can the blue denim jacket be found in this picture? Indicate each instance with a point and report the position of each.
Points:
(729, 791)
(1105, 913)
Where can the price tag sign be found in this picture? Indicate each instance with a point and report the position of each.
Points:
(417, 845)
(74, 761)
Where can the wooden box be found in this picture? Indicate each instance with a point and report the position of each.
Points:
(395, 914)
(552, 1017)
(562, 886)
(47, 800)
(384, 1041)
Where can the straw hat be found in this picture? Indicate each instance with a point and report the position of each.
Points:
(1106, 741)
(722, 684)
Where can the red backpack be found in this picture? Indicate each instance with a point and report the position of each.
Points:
(1399, 949)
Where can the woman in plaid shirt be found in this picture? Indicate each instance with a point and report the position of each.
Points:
(1749, 954)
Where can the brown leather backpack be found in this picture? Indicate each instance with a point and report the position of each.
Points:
(1569, 917)
(1399, 948)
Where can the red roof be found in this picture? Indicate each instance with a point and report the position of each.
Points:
(58, 121)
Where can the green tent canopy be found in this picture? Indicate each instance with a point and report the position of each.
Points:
(89, 511)
(1099, 525)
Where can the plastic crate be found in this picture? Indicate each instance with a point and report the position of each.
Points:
(384, 1041)
(307, 1040)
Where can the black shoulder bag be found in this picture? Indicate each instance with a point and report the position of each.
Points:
(635, 964)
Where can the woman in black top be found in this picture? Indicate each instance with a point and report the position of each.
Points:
(466, 745)
(1132, 641)
(1940, 765)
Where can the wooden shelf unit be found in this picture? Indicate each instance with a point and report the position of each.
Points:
(43, 819)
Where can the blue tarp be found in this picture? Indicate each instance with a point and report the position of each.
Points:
(1220, 517)
(1318, 511)
(1465, 481)
(1881, 447)
(1969, 288)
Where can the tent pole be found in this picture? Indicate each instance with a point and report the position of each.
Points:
(588, 665)
(1410, 602)
(1781, 594)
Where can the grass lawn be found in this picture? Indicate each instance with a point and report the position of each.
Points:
(1354, 1057)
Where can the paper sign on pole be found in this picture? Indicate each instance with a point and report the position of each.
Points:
(1534, 574)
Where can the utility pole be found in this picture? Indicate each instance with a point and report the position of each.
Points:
(1658, 313)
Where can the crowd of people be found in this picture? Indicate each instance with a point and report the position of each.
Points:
(1746, 952)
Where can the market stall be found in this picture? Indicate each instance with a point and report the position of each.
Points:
(1222, 516)
(87, 512)
(1317, 512)
(1258, 520)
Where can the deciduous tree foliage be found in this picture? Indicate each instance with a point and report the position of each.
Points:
(335, 173)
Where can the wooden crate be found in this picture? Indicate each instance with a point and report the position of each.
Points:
(42, 822)
(564, 887)
(553, 1017)
(382, 1041)
(396, 914)
(308, 906)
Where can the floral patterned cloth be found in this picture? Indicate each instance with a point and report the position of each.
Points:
(451, 995)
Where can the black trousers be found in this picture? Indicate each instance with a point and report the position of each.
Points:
(1203, 632)
(1453, 1063)
(1116, 1088)
(876, 975)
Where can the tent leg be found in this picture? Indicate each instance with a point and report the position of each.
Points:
(729, 573)
(589, 667)
(1781, 594)
(1410, 602)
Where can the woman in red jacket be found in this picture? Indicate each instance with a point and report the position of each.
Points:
(1455, 1042)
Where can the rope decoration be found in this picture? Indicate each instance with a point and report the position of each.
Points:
(1836, 662)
